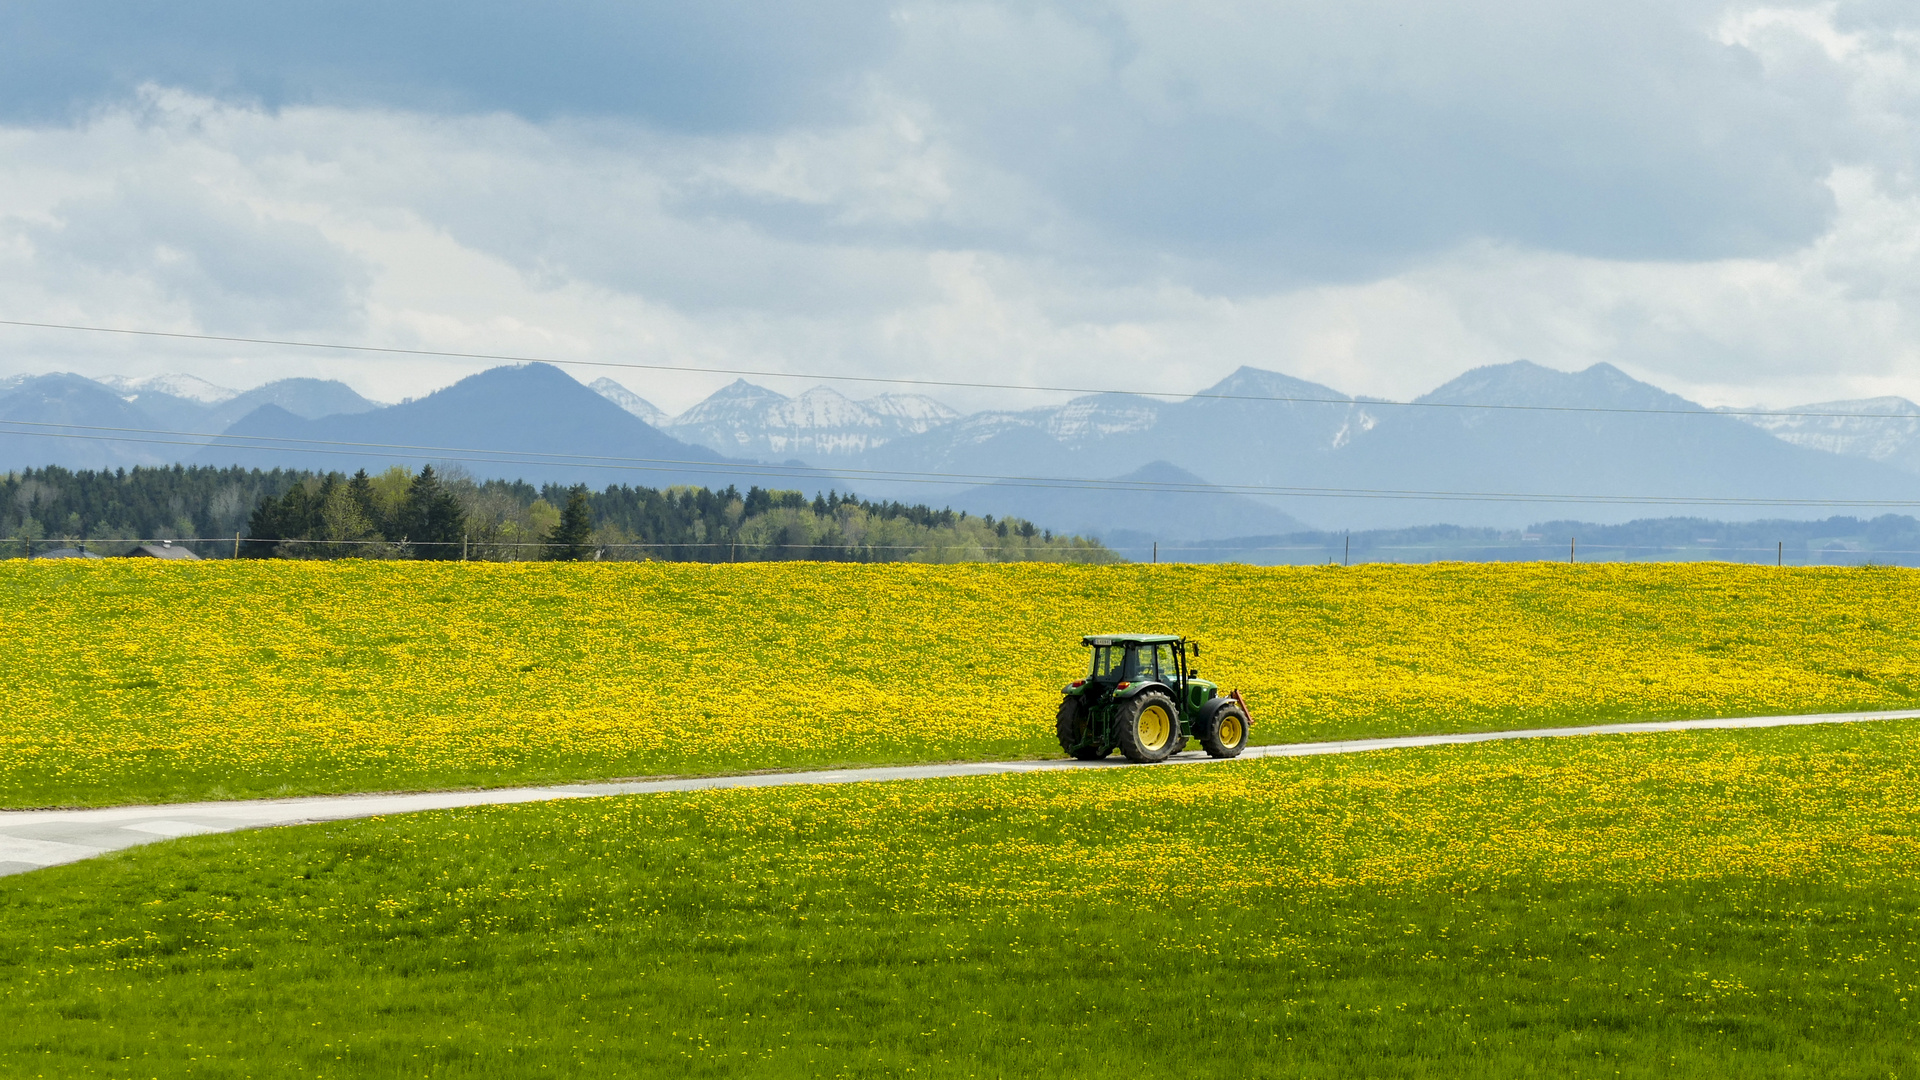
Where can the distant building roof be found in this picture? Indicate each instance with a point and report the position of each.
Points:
(66, 553)
(164, 550)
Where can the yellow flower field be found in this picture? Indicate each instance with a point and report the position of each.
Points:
(136, 681)
(1641, 811)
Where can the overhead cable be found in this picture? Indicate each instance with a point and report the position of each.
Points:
(725, 469)
(511, 358)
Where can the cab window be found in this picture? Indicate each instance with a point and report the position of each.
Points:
(1165, 669)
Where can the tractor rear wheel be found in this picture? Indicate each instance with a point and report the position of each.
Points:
(1071, 728)
(1147, 727)
(1224, 734)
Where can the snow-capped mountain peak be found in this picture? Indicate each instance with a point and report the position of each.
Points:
(918, 411)
(822, 408)
(175, 384)
(753, 421)
(1097, 416)
(629, 401)
(1879, 429)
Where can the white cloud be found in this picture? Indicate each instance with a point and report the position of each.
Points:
(1020, 195)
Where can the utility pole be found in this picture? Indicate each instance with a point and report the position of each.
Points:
(1156, 553)
(1571, 540)
(1347, 558)
(1780, 553)
(236, 545)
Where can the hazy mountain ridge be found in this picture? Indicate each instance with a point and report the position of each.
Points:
(59, 420)
(157, 426)
(1890, 433)
(529, 422)
(1328, 459)
(1169, 503)
(1579, 441)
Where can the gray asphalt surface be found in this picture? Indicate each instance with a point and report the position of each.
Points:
(31, 839)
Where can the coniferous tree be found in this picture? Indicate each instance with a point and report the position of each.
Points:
(263, 529)
(286, 523)
(360, 488)
(347, 527)
(572, 539)
(432, 517)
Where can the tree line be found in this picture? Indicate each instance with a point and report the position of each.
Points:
(431, 514)
(1890, 539)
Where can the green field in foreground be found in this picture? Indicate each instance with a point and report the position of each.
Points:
(1701, 904)
(137, 681)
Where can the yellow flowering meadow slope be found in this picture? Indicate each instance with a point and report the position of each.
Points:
(134, 680)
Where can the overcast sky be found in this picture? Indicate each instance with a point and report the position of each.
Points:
(1718, 198)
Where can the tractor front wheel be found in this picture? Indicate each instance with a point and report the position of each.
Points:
(1147, 727)
(1224, 734)
(1071, 728)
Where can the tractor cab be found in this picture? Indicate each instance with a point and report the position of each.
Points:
(1143, 697)
(1118, 659)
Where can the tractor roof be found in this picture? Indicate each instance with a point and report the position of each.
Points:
(1130, 639)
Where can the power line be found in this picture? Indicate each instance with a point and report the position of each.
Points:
(1224, 546)
(479, 543)
(724, 469)
(512, 358)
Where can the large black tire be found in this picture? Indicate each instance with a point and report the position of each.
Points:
(1224, 733)
(1147, 727)
(1179, 740)
(1071, 727)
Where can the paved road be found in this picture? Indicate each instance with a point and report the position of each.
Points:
(30, 839)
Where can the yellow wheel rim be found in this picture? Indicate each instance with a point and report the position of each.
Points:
(1156, 727)
(1231, 731)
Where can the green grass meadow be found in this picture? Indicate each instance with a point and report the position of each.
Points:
(1705, 904)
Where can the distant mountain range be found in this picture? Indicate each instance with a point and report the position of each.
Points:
(1879, 429)
(530, 422)
(744, 420)
(159, 420)
(1258, 454)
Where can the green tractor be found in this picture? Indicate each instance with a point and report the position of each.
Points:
(1143, 698)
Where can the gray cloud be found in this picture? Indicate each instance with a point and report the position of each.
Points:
(1313, 141)
(225, 263)
(712, 65)
(1239, 145)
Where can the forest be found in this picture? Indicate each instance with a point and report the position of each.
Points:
(398, 513)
